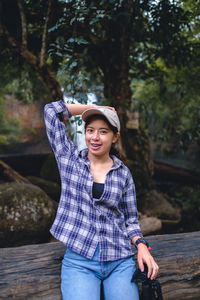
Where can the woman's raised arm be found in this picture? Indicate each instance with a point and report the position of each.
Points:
(78, 109)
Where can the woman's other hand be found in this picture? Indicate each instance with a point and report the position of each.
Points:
(109, 107)
(144, 256)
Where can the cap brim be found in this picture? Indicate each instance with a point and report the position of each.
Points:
(91, 111)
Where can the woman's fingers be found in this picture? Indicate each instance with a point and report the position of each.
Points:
(110, 107)
(154, 271)
(140, 264)
(150, 269)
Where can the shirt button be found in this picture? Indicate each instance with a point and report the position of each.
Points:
(102, 231)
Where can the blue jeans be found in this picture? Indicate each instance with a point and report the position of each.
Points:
(81, 278)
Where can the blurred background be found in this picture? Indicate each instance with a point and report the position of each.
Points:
(143, 58)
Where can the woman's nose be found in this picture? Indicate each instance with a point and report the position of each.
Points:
(95, 135)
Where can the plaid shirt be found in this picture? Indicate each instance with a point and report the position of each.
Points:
(82, 221)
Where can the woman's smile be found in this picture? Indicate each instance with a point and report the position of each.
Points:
(96, 146)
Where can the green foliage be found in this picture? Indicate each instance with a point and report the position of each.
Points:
(76, 80)
(170, 107)
(90, 39)
(86, 37)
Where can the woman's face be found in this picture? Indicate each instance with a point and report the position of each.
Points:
(99, 137)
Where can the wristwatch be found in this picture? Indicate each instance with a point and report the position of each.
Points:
(142, 240)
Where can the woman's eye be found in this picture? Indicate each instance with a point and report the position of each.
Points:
(89, 130)
(103, 131)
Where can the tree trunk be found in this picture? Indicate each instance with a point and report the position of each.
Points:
(33, 271)
(114, 62)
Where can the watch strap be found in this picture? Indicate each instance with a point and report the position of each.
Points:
(142, 240)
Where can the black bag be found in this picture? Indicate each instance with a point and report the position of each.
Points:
(151, 289)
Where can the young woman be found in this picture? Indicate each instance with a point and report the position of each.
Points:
(97, 217)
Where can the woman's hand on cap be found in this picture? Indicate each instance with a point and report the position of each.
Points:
(110, 107)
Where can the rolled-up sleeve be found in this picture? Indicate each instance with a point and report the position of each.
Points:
(54, 114)
(128, 206)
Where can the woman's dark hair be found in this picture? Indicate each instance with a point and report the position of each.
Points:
(113, 150)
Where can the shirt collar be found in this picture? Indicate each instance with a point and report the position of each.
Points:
(83, 154)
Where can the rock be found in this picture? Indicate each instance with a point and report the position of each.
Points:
(150, 225)
(156, 204)
(52, 189)
(26, 214)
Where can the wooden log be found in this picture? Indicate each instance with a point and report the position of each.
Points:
(173, 173)
(33, 271)
(11, 174)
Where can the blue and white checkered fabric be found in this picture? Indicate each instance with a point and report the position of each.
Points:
(82, 221)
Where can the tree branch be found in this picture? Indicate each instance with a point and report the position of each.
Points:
(44, 72)
(19, 48)
(44, 35)
(23, 23)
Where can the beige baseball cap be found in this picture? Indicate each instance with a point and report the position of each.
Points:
(110, 115)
